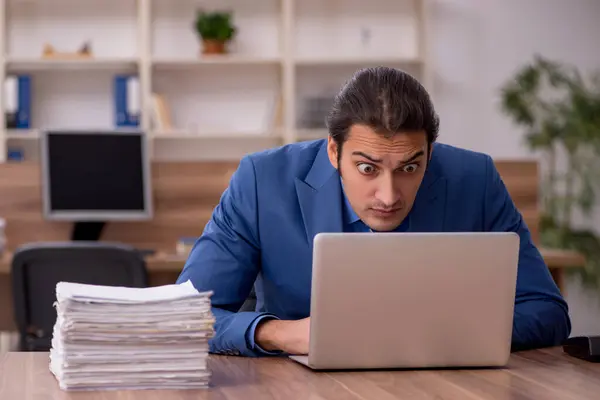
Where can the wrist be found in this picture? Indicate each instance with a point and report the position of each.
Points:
(267, 335)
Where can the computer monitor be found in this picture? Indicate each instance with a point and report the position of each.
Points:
(95, 176)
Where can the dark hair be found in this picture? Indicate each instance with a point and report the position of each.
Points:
(385, 99)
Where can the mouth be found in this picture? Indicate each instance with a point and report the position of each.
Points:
(384, 213)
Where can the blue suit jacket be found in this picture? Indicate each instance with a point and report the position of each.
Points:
(279, 199)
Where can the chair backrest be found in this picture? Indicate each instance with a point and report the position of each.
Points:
(38, 267)
(521, 178)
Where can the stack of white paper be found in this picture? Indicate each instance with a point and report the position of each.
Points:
(128, 338)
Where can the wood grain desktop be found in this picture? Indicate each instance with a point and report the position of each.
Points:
(531, 375)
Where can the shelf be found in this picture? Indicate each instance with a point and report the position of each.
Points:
(34, 134)
(173, 63)
(214, 135)
(214, 146)
(258, 37)
(283, 68)
(236, 98)
(22, 134)
(311, 134)
(39, 64)
(109, 27)
(356, 61)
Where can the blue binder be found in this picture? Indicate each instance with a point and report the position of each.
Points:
(19, 115)
(126, 101)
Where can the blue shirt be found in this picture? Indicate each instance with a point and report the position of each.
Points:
(352, 223)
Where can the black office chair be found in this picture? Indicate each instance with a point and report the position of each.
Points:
(38, 267)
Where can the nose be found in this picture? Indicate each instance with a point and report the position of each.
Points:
(387, 193)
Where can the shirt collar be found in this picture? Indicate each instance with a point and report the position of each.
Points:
(351, 217)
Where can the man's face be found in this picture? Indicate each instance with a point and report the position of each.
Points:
(381, 176)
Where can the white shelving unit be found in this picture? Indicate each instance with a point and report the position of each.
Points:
(286, 52)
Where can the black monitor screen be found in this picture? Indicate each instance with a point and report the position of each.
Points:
(99, 172)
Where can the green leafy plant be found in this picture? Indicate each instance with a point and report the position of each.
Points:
(560, 110)
(217, 26)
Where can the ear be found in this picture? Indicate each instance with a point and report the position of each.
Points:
(332, 152)
(432, 145)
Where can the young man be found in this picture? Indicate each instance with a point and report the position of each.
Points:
(380, 170)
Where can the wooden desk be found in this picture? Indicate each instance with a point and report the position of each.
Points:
(554, 258)
(170, 264)
(557, 260)
(159, 262)
(541, 374)
(164, 268)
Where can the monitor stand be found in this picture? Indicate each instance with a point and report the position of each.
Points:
(87, 231)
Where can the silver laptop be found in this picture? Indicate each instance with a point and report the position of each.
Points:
(412, 300)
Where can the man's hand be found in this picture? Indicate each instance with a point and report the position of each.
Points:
(291, 337)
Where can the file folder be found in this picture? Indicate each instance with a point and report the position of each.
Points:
(17, 95)
(127, 101)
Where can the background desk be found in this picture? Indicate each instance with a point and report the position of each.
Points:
(535, 375)
(164, 268)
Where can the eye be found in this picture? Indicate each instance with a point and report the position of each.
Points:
(366, 169)
(410, 168)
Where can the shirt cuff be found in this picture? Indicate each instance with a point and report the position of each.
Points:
(250, 335)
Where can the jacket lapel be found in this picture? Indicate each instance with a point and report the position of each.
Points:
(320, 197)
(428, 212)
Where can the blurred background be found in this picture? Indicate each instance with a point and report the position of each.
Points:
(208, 81)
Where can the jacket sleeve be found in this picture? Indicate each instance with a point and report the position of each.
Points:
(225, 259)
(541, 315)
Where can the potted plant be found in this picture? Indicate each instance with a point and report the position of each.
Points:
(215, 30)
(559, 109)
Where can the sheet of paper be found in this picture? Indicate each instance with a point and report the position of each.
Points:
(118, 294)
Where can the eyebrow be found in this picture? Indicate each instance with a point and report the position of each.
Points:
(377, 160)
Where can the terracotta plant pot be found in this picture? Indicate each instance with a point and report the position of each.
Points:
(210, 46)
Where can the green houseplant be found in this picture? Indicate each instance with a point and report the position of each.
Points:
(215, 30)
(560, 111)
